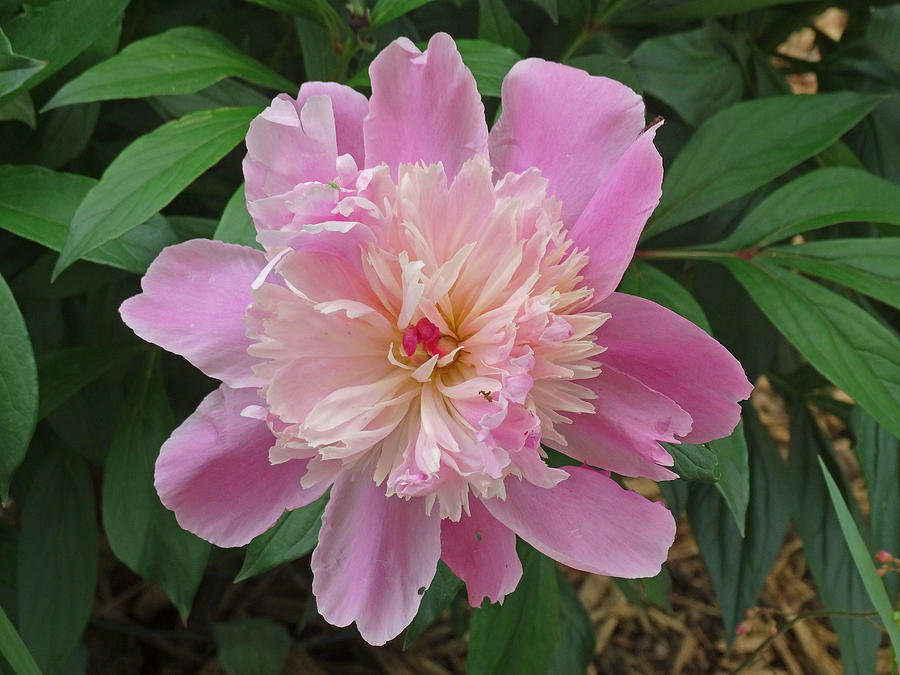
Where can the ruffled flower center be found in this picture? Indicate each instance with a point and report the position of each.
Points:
(446, 349)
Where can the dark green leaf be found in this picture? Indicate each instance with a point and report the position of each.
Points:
(495, 24)
(883, 34)
(14, 650)
(57, 558)
(59, 31)
(236, 225)
(818, 199)
(20, 109)
(690, 71)
(607, 66)
(878, 453)
(649, 591)
(814, 518)
(223, 94)
(294, 535)
(577, 634)
(843, 342)
(443, 589)
(862, 558)
(385, 11)
(488, 62)
(18, 388)
(694, 462)
(738, 565)
(141, 531)
(149, 173)
(734, 479)
(182, 60)
(745, 146)
(63, 373)
(38, 204)
(252, 646)
(520, 635)
(870, 266)
(665, 11)
(316, 48)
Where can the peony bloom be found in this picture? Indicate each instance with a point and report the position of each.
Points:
(435, 302)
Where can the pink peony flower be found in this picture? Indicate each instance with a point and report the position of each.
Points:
(434, 302)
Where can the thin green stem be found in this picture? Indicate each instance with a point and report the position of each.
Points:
(576, 44)
(684, 254)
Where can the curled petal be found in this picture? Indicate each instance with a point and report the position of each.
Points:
(350, 109)
(676, 358)
(572, 126)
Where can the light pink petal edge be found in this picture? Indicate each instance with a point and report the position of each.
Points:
(193, 302)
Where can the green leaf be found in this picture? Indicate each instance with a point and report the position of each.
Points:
(495, 24)
(38, 204)
(869, 266)
(182, 60)
(607, 66)
(18, 388)
(150, 173)
(694, 462)
(252, 646)
(57, 558)
(665, 11)
(14, 650)
(883, 34)
(63, 373)
(385, 11)
(549, 6)
(443, 589)
(141, 531)
(577, 634)
(316, 48)
(839, 584)
(236, 225)
(738, 564)
(745, 146)
(862, 558)
(488, 62)
(734, 469)
(520, 635)
(850, 347)
(15, 71)
(650, 590)
(817, 199)
(691, 72)
(57, 32)
(294, 535)
(878, 453)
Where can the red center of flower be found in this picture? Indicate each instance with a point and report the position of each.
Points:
(427, 335)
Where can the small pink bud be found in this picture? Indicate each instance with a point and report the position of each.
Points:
(743, 628)
(883, 556)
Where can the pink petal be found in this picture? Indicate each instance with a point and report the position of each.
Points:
(424, 107)
(350, 108)
(193, 303)
(375, 554)
(570, 125)
(589, 523)
(611, 223)
(288, 144)
(623, 434)
(214, 472)
(676, 358)
(481, 552)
